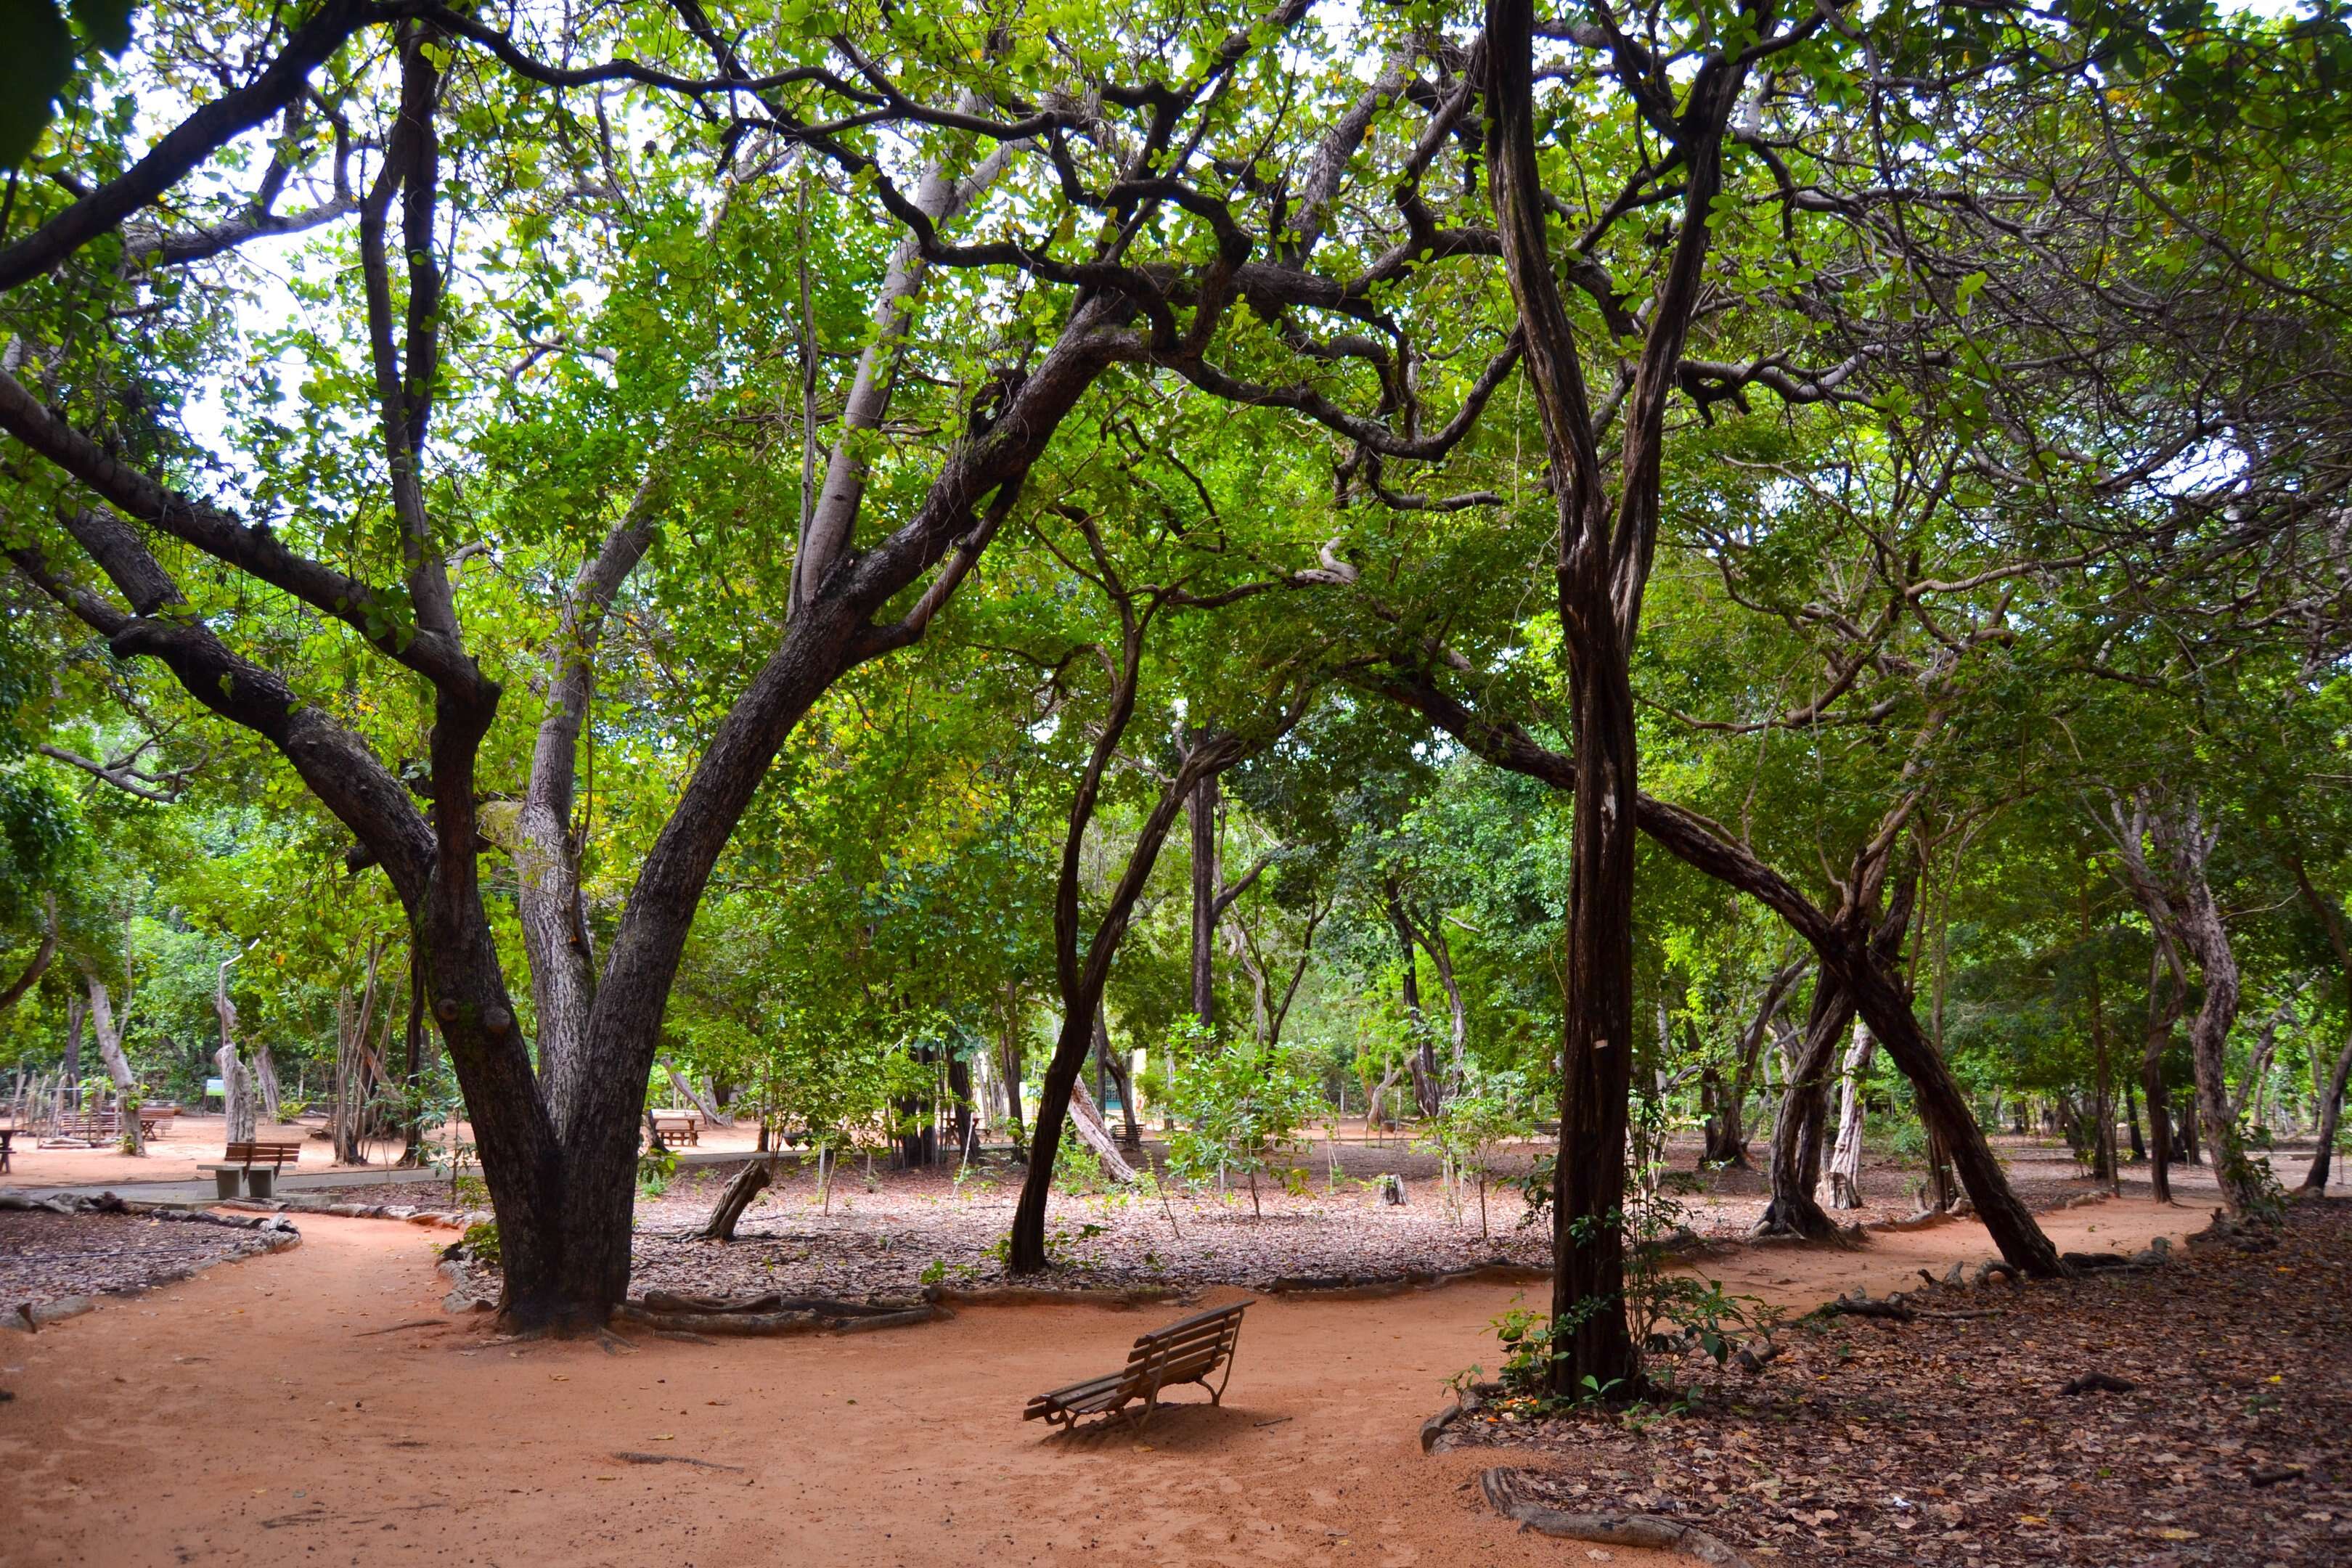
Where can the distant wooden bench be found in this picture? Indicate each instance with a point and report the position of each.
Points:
(90, 1126)
(256, 1162)
(155, 1119)
(674, 1125)
(1186, 1351)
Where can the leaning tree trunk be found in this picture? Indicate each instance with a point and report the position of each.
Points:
(265, 1080)
(77, 1011)
(1087, 1119)
(1793, 1209)
(2331, 1108)
(1845, 1160)
(118, 1065)
(747, 1185)
(2209, 1033)
(31, 975)
(695, 1098)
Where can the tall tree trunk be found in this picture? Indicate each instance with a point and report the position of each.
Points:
(2165, 993)
(2131, 1120)
(1423, 1044)
(1207, 879)
(118, 1065)
(961, 1091)
(1845, 1160)
(77, 1009)
(1082, 978)
(1009, 1053)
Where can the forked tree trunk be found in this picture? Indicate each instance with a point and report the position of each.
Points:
(1423, 1061)
(1794, 1207)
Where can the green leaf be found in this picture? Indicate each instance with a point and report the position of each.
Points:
(34, 69)
(106, 23)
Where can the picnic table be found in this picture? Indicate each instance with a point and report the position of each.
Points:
(683, 1126)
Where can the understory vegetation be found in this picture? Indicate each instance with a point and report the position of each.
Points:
(1020, 579)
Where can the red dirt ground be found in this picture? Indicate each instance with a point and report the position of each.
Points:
(255, 1414)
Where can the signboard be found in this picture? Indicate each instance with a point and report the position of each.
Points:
(216, 1087)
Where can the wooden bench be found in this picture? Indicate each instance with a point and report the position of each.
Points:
(257, 1163)
(1186, 1351)
(678, 1127)
(155, 1119)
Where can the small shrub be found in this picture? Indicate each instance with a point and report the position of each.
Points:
(482, 1243)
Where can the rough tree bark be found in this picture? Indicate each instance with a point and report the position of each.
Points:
(118, 1065)
(1845, 1157)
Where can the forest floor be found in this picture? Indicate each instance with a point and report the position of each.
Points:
(1954, 1439)
(896, 1230)
(47, 1257)
(372, 1427)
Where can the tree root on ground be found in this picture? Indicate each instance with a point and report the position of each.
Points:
(1508, 1495)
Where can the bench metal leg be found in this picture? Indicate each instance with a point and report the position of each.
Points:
(226, 1182)
(258, 1179)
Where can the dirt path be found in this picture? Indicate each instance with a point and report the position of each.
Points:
(252, 1417)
